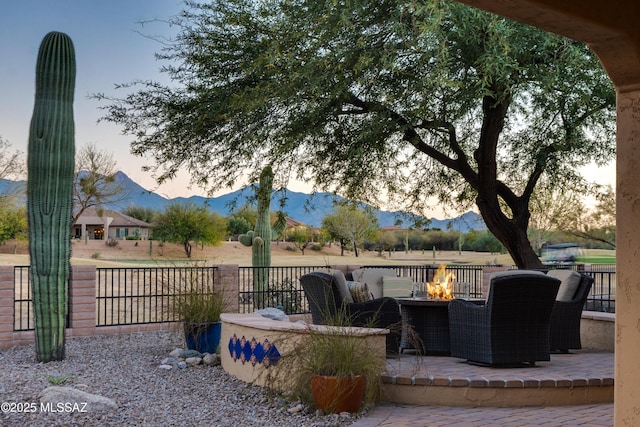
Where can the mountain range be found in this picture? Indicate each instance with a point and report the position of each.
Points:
(309, 209)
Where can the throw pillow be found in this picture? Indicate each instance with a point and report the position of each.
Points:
(359, 291)
(338, 276)
(373, 278)
(569, 282)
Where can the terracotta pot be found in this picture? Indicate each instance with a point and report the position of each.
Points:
(338, 394)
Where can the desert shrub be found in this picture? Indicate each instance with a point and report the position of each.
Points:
(285, 296)
(111, 242)
(316, 247)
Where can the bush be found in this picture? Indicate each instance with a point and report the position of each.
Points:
(316, 248)
(111, 242)
(286, 296)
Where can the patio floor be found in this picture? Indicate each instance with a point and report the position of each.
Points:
(579, 378)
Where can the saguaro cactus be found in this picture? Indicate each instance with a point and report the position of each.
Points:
(50, 163)
(260, 238)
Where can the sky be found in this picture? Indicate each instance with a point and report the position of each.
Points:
(112, 46)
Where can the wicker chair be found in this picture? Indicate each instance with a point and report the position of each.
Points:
(325, 301)
(566, 316)
(512, 328)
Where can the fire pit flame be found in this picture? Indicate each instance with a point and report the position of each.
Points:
(441, 287)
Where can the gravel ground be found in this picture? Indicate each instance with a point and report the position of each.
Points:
(125, 369)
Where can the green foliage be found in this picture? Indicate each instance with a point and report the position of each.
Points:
(195, 306)
(143, 214)
(301, 237)
(237, 225)
(13, 223)
(58, 379)
(187, 223)
(483, 241)
(395, 100)
(249, 213)
(334, 351)
(385, 241)
(50, 167)
(349, 223)
(192, 302)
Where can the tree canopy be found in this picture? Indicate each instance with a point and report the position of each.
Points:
(188, 223)
(381, 100)
(350, 224)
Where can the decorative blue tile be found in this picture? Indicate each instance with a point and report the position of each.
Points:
(253, 351)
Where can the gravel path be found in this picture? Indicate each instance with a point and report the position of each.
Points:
(125, 369)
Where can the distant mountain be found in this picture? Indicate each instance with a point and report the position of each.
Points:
(306, 208)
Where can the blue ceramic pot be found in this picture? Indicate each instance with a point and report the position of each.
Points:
(203, 337)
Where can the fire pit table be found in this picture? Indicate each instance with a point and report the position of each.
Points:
(429, 318)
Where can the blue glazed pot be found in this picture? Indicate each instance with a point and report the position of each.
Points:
(203, 337)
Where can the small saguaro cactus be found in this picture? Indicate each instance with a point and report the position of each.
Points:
(260, 238)
(50, 164)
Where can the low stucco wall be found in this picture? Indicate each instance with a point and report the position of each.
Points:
(597, 330)
(252, 346)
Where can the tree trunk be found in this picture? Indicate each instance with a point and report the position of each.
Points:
(512, 235)
(512, 232)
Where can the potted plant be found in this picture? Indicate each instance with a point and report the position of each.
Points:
(335, 370)
(199, 311)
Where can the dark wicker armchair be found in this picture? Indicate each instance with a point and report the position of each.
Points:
(512, 328)
(325, 300)
(566, 316)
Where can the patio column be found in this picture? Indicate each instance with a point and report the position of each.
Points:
(627, 379)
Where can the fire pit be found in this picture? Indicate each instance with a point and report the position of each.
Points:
(427, 313)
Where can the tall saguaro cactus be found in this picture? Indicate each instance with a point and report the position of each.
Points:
(50, 163)
(260, 238)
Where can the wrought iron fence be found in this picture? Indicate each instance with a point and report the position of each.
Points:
(137, 295)
(22, 302)
(130, 295)
(283, 290)
(124, 296)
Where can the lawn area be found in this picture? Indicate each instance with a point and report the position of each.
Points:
(598, 259)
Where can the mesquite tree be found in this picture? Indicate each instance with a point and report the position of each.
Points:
(260, 238)
(50, 166)
(410, 103)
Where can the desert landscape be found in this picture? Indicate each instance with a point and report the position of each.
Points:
(145, 252)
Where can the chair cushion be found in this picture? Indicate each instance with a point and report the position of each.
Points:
(373, 278)
(341, 281)
(359, 291)
(397, 286)
(514, 273)
(569, 282)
